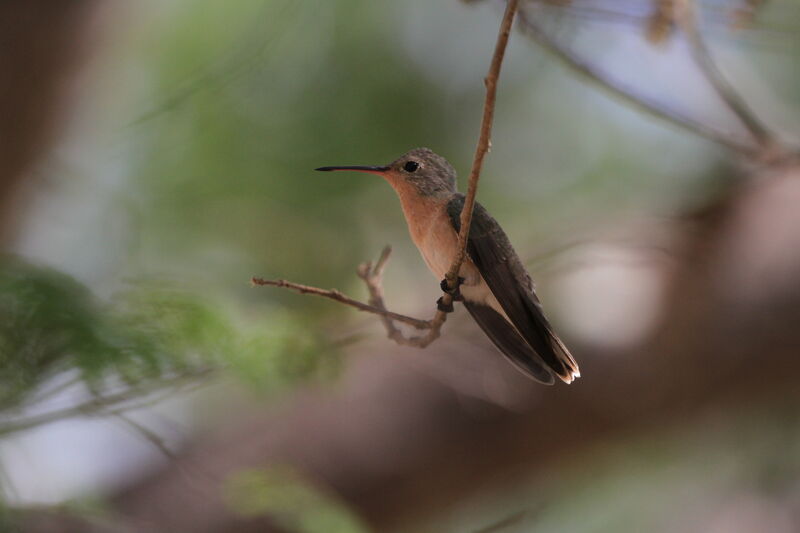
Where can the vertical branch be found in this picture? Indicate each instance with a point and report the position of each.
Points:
(484, 142)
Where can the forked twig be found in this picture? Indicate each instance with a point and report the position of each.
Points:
(373, 278)
(373, 274)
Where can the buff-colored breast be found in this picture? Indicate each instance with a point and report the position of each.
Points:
(433, 233)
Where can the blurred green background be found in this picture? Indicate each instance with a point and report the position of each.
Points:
(185, 168)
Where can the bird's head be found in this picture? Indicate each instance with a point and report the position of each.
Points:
(423, 170)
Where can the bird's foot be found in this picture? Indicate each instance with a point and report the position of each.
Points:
(441, 306)
(456, 292)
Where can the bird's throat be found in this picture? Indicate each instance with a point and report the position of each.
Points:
(421, 212)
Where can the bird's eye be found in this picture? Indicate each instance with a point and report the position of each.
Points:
(411, 166)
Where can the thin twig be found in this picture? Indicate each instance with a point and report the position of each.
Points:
(57, 389)
(156, 398)
(688, 20)
(373, 278)
(185, 465)
(146, 433)
(484, 142)
(101, 404)
(628, 94)
(333, 294)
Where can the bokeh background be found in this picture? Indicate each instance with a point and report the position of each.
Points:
(155, 155)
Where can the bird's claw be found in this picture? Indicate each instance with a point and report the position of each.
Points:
(455, 295)
(456, 292)
(443, 307)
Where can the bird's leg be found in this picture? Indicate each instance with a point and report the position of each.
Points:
(455, 294)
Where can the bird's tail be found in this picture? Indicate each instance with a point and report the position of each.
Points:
(506, 338)
(549, 357)
(570, 368)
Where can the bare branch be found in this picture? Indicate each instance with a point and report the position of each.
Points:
(628, 94)
(146, 433)
(335, 295)
(373, 278)
(484, 143)
(688, 21)
(101, 405)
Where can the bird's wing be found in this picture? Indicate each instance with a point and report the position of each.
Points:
(490, 250)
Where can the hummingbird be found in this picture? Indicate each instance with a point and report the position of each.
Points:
(493, 284)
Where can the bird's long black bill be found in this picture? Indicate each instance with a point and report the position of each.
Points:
(370, 170)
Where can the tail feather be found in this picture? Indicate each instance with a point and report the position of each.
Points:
(506, 338)
(520, 353)
(572, 371)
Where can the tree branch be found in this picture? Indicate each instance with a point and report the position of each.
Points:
(146, 433)
(109, 403)
(629, 95)
(484, 143)
(373, 278)
(337, 296)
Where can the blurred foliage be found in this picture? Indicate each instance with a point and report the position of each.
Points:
(217, 116)
(50, 323)
(290, 500)
(285, 353)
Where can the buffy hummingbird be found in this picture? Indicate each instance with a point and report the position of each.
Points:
(493, 283)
